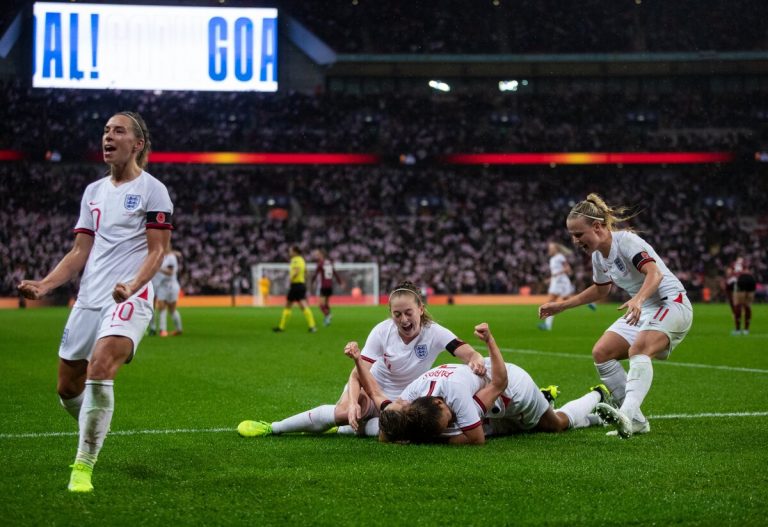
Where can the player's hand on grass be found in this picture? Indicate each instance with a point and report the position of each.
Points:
(634, 310)
(122, 292)
(32, 289)
(352, 350)
(549, 309)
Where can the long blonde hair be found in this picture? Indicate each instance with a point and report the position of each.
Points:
(594, 208)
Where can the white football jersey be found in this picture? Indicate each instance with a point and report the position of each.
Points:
(629, 253)
(163, 280)
(395, 363)
(557, 264)
(457, 385)
(118, 218)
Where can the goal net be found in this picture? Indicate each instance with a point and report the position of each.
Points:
(361, 283)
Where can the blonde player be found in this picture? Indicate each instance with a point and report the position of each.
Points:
(658, 316)
(167, 293)
(297, 292)
(397, 351)
(560, 286)
(449, 403)
(124, 224)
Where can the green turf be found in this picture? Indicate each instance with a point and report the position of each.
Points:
(229, 366)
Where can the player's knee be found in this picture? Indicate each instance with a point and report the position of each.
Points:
(600, 354)
(70, 388)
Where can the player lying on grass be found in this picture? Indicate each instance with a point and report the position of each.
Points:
(397, 351)
(449, 404)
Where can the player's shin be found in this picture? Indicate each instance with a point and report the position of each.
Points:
(639, 381)
(73, 405)
(614, 377)
(579, 409)
(316, 420)
(95, 417)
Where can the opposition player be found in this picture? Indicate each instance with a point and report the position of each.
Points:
(327, 273)
(167, 293)
(124, 225)
(741, 285)
(297, 292)
(658, 316)
(397, 351)
(450, 404)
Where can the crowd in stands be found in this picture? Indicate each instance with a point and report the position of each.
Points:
(390, 125)
(534, 26)
(471, 230)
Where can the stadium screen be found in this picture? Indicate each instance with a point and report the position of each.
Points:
(139, 47)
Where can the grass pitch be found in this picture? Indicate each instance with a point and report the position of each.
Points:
(174, 458)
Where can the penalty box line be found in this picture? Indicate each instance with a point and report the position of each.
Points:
(665, 362)
(171, 431)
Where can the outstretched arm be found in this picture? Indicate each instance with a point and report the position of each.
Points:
(591, 294)
(69, 267)
(488, 394)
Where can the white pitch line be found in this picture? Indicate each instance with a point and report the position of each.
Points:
(666, 362)
(171, 431)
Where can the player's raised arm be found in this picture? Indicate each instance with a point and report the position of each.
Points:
(488, 394)
(67, 269)
(369, 384)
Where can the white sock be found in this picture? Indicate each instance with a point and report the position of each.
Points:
(614, 377)
(95, 417)
(72, 406)
(372, 427)
(639, 381)
(176, 320)
(346, 430)
(548, 322)
(594, 420)
(315, 420)
(578, 409)
(163, 320)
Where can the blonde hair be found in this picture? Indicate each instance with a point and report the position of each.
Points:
(562, 249)
(408, 288)
(594, 208)
(141, 131)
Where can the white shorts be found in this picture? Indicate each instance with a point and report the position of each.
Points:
(520, 407)
(86, 326)
(672, 318)
(168, 292)
(560, 285)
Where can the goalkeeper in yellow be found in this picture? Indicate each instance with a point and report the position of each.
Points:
(297, 292)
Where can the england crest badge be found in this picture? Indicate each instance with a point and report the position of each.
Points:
(421, 351)
(620, 265)
(132, 201)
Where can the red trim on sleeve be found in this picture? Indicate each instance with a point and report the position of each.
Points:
(643, 262)
(368, 359)
(472, 426)
(480, 404)
(84, 231)
(384, 404)
(603, 283)
(160, 226)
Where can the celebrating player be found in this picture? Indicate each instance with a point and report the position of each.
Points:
(124, 225)
(397, 351)
(167, 293)
(449, 404)
(740, 285)
(326, 272)
(658, 316)
(297, 292)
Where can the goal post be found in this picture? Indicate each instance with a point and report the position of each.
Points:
(361, 283)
